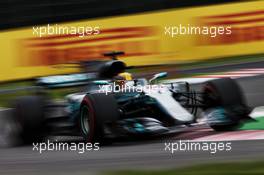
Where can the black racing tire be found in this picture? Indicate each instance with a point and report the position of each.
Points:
(226, 93)
(96, 111)
(230, 127)
(222, 92)
(29, 114)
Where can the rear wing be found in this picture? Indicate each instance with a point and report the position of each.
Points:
(63, 81)
(89, 72)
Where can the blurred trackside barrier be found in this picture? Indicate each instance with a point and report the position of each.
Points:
(141, 36)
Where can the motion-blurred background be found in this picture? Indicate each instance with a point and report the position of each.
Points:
(138, 29)
(135, 27)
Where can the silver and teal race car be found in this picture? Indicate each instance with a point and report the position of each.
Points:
(105, 108)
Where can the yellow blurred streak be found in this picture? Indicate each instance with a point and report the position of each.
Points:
(161, 49)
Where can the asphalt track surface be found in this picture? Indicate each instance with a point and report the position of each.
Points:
(148, 155)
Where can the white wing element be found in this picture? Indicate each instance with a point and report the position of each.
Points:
(189, 80)
(171, 106)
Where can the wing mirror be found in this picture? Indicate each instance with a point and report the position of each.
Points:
(101, 82)
(158, 76)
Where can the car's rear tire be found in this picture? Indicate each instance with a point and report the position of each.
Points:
(96, 111)
(29, 115)
(226, 93)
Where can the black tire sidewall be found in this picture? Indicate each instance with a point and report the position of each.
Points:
(89, 137)
(29, 114)
(226, 93)
(102, 109)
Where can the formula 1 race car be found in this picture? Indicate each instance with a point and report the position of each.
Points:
(108, 108)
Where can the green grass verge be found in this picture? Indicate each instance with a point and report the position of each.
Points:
(235, 168)
(254, 125)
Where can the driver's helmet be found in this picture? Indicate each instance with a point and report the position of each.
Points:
(125, 76)
(121, 79)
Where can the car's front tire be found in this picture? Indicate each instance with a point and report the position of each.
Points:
(96, 111)
(226, 95)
